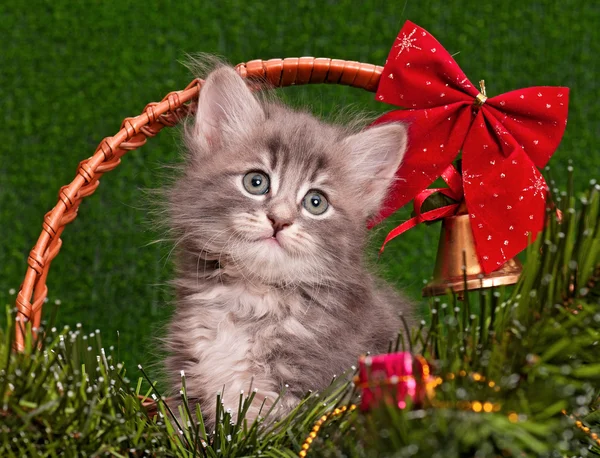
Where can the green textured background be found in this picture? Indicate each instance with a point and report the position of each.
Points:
(71, 71)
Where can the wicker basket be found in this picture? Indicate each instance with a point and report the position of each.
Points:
(133, 134)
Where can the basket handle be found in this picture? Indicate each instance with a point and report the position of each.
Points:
(134, 133)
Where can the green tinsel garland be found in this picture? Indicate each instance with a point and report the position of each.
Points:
(519, 372)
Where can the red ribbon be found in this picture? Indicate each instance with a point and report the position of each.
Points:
(454, 191)
(503, 140)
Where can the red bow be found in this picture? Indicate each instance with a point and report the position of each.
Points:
(503, 140)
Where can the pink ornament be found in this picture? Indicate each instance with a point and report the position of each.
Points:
(393, 377)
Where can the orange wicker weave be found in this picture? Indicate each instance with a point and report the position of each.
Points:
(133, 134)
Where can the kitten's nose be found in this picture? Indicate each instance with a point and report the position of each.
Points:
(278, 223)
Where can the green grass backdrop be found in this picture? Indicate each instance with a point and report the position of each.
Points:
(71, 71)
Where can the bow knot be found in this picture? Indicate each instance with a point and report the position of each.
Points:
(518, 132)
(479, 100)
(481, 97)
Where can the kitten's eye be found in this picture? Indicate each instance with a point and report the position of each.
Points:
(315, 203)
(256, 183)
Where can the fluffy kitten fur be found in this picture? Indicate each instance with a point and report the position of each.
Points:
(257, 311)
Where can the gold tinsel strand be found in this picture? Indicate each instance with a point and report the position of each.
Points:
(317, 426)
(586, 429)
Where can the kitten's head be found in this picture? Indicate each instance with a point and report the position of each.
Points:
(275, 195)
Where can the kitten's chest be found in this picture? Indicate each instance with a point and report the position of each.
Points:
(250, 323)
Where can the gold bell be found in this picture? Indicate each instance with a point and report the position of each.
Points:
(456, 253)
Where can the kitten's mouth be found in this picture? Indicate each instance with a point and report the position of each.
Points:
(273, 240)
(270, 241)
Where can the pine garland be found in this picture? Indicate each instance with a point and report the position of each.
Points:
(518, 374)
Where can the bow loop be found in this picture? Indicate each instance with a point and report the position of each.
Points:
(503, 139)
(429, 75)
(435, 138)
(536, 117)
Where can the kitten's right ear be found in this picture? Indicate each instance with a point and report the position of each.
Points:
(375, 155)
(226, 109)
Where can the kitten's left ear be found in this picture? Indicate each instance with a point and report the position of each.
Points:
(375, 155)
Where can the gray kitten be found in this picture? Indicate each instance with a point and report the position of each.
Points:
(270, 217)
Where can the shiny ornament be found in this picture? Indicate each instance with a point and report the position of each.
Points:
(393, 377)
